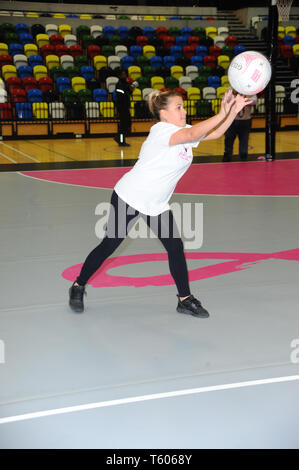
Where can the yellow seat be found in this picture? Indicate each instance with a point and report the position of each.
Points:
(52, 61)
(296, 49)
(30, 49)
(134, 71)
(223, 61)
(211, 31)
(59, 15)
(160, 18)
(149, 18)
(132, 108)
(157, 82)
(176, 71)
(136, 95)
(64, 29)
(3, 48)
(42, 39)
(9, 71)
(149, 51)
(224, 80)
(193, 93)
(290, 31)
(40, 110)
(190, 107)
(281, 31)
(99, 61)
(32, 14)
(40, 71)
(78, 83)
(107, 109)
(216, 106)
(220, 91)
(85, 17)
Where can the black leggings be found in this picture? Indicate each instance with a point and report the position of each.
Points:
(120, 220)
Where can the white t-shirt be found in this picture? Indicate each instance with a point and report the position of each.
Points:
(151, 182)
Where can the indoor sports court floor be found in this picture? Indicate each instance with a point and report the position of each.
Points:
(131, 372)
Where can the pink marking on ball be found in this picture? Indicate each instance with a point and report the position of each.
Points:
(256, 75)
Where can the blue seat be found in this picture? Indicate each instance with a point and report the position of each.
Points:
(127, 61)
(63, 83)
(109, 31)
(26, 38)
(175, 18)
(87, 71)
(288, 40)
(186, 31)
(201, 51)
(135, 51)
(156, 61)
(214, 81)
(148, 31)
(34, 95)
(24, 110)
(35, 59)
(100, 94)
(198, 18)
(16, 48)
(25, 71)
(123, 31)
(176, 51)
(72, 15)
(196, 60)
(181, 41)
(169, 61)
(239, 49)
(22, 28)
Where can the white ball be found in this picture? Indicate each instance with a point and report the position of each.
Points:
(249, 72)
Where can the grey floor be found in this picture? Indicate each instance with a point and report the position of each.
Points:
(130, 342)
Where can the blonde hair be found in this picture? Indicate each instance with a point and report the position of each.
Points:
(158, 100)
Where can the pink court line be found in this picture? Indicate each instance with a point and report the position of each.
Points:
(143, 398)
(279, 178)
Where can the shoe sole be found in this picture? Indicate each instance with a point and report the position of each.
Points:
(75, 307)
(189, 312)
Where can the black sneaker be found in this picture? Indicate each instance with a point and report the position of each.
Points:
(76, 298)
(192, 306)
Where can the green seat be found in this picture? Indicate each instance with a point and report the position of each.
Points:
(107, 50)
(171, 82)
(69, 96)
(124, 17)
(87, 40)
(143, 82)
(114, 40)
(200, 82)
(82, 30)
(149, 71)
(199, 32)
(203, 108)
(56, 72)
(80, 60)
(7, 28)
(204, 71)
(73, 72)
(11, 37)
(174, 31)
(85, 96)
(227, 50)
(142, 61)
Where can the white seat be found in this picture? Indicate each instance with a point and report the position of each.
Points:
(280, 91)
(96, 30)
(66, 61)
(3, 95)
(121, 51)
(92, 109)
(57, 110)
(4, 13)
(223, 31)
(110, 83)
(51, 29)
(260, 105)
(219, 41)
(191, 71)
(17, 13)
(110, 17)
(146, 92)
(185, 82)
(70, 40)
(113, 61)
(254, 21)
(209, 93)
(19, 60)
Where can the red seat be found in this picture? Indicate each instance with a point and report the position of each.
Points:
(193, 40)
(182, 91)
(29, 83)
(93, 50)
(45, 84)
(161, 31)
(5, 111)
(297, 39)
(13, 82)
(19, 96)
(6, 59)
(142, 41)
(210, 61)
(56, 39)
(215, 51)
(210, 18)
(189, 51)
(47, 49)
(286, 51)
(61, 49)
(168, 41)
(75, 50)
(231, 41)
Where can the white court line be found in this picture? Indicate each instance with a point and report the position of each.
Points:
(8, 158)
(22, 153)
(155, 396)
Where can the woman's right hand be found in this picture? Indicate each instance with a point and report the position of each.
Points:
(240, 102)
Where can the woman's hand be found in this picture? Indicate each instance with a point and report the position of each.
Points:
(240, 102)
(227, 102)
